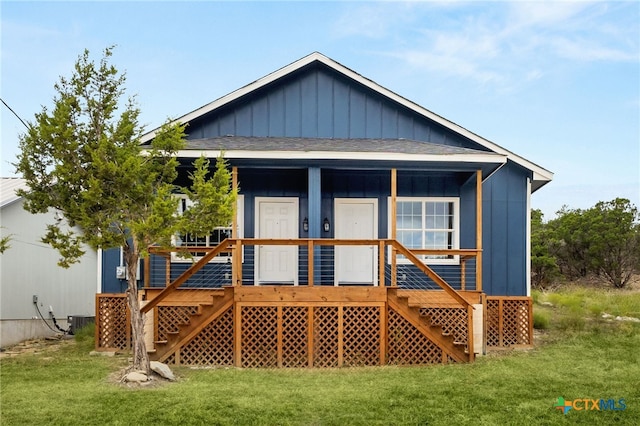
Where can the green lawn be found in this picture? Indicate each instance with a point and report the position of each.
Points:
(597, 359)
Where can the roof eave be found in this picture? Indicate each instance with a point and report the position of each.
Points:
(341, 155)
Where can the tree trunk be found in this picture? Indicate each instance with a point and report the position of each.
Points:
(139, 348)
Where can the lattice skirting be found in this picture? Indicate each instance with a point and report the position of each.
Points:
(113, 323)
(509, 321)
(407, 345)
(302, 336)
(213, 346)
(452, 320)
(170, 316)
(309, 336)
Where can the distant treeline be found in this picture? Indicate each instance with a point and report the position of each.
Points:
(603, 240)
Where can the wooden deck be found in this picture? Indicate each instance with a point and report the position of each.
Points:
(320, 327)
(193, 320)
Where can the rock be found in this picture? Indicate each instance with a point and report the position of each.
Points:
(162, 370)
(102, 353)
(630, 319)
(546, 304)
(607, 316)
(136, 376)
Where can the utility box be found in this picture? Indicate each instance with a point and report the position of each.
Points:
(76, 322)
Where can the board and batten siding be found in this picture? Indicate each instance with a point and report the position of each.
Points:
(504, 217)
(320, 103)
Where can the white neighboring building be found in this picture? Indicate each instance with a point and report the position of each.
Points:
(29, 268)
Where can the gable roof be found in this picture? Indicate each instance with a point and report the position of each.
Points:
(541, 176)
(8, 188)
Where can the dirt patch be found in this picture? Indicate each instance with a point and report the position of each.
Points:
(155, 381)
(37, 346)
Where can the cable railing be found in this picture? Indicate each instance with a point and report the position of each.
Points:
(310, 262)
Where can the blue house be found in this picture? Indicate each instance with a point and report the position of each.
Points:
(375, 229)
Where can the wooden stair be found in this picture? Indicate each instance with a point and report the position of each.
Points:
(433, 332)
(197, 322)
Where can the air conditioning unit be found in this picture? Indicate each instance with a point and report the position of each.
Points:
(76, 322)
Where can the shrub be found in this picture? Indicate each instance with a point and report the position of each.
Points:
(541, 319)
(86, 333)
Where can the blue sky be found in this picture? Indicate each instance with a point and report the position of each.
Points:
(555, 82)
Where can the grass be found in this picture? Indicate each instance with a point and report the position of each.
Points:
(597, 360)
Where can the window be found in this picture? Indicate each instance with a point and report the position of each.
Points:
(211, 240)
(428, 223)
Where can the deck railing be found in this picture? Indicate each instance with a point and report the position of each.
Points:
(234, 263)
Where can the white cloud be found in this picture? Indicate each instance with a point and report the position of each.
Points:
(505, 43)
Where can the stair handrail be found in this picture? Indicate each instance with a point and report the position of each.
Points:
(204, 260)
(429, 272)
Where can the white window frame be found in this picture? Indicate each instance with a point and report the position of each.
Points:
(176, 258)
(453, 260)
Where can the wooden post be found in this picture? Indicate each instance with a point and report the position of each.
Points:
(383, 334)
(236, 259)
(340, 336)
(483, 299)
(236, 264)
(479, 230)
(394, 217)
(500, 323)
(279, 336)
(530, 312)
(310, 261)
(234, 188)
(463, 274)
(98, 322)
(310, 337)
(381, 271)
(470, 343)
(167, 271)
(237, 334)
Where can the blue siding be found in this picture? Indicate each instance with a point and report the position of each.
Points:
(276, 113)
(292, 112)
(321, 103)
(110, 284)
(309, 106)
(468, 214)
(504, 232)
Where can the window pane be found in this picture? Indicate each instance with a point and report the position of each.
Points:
(438, 240)
(409, 215)
(195, 241)
(410, 239)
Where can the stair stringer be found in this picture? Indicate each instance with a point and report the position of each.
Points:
(433, 332)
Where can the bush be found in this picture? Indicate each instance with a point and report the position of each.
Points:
(541, 319)
(573, 321)
(86, 333)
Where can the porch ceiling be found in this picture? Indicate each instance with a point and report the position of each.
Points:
(355, 153)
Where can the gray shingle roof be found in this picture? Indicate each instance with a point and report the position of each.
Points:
(401, 146)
